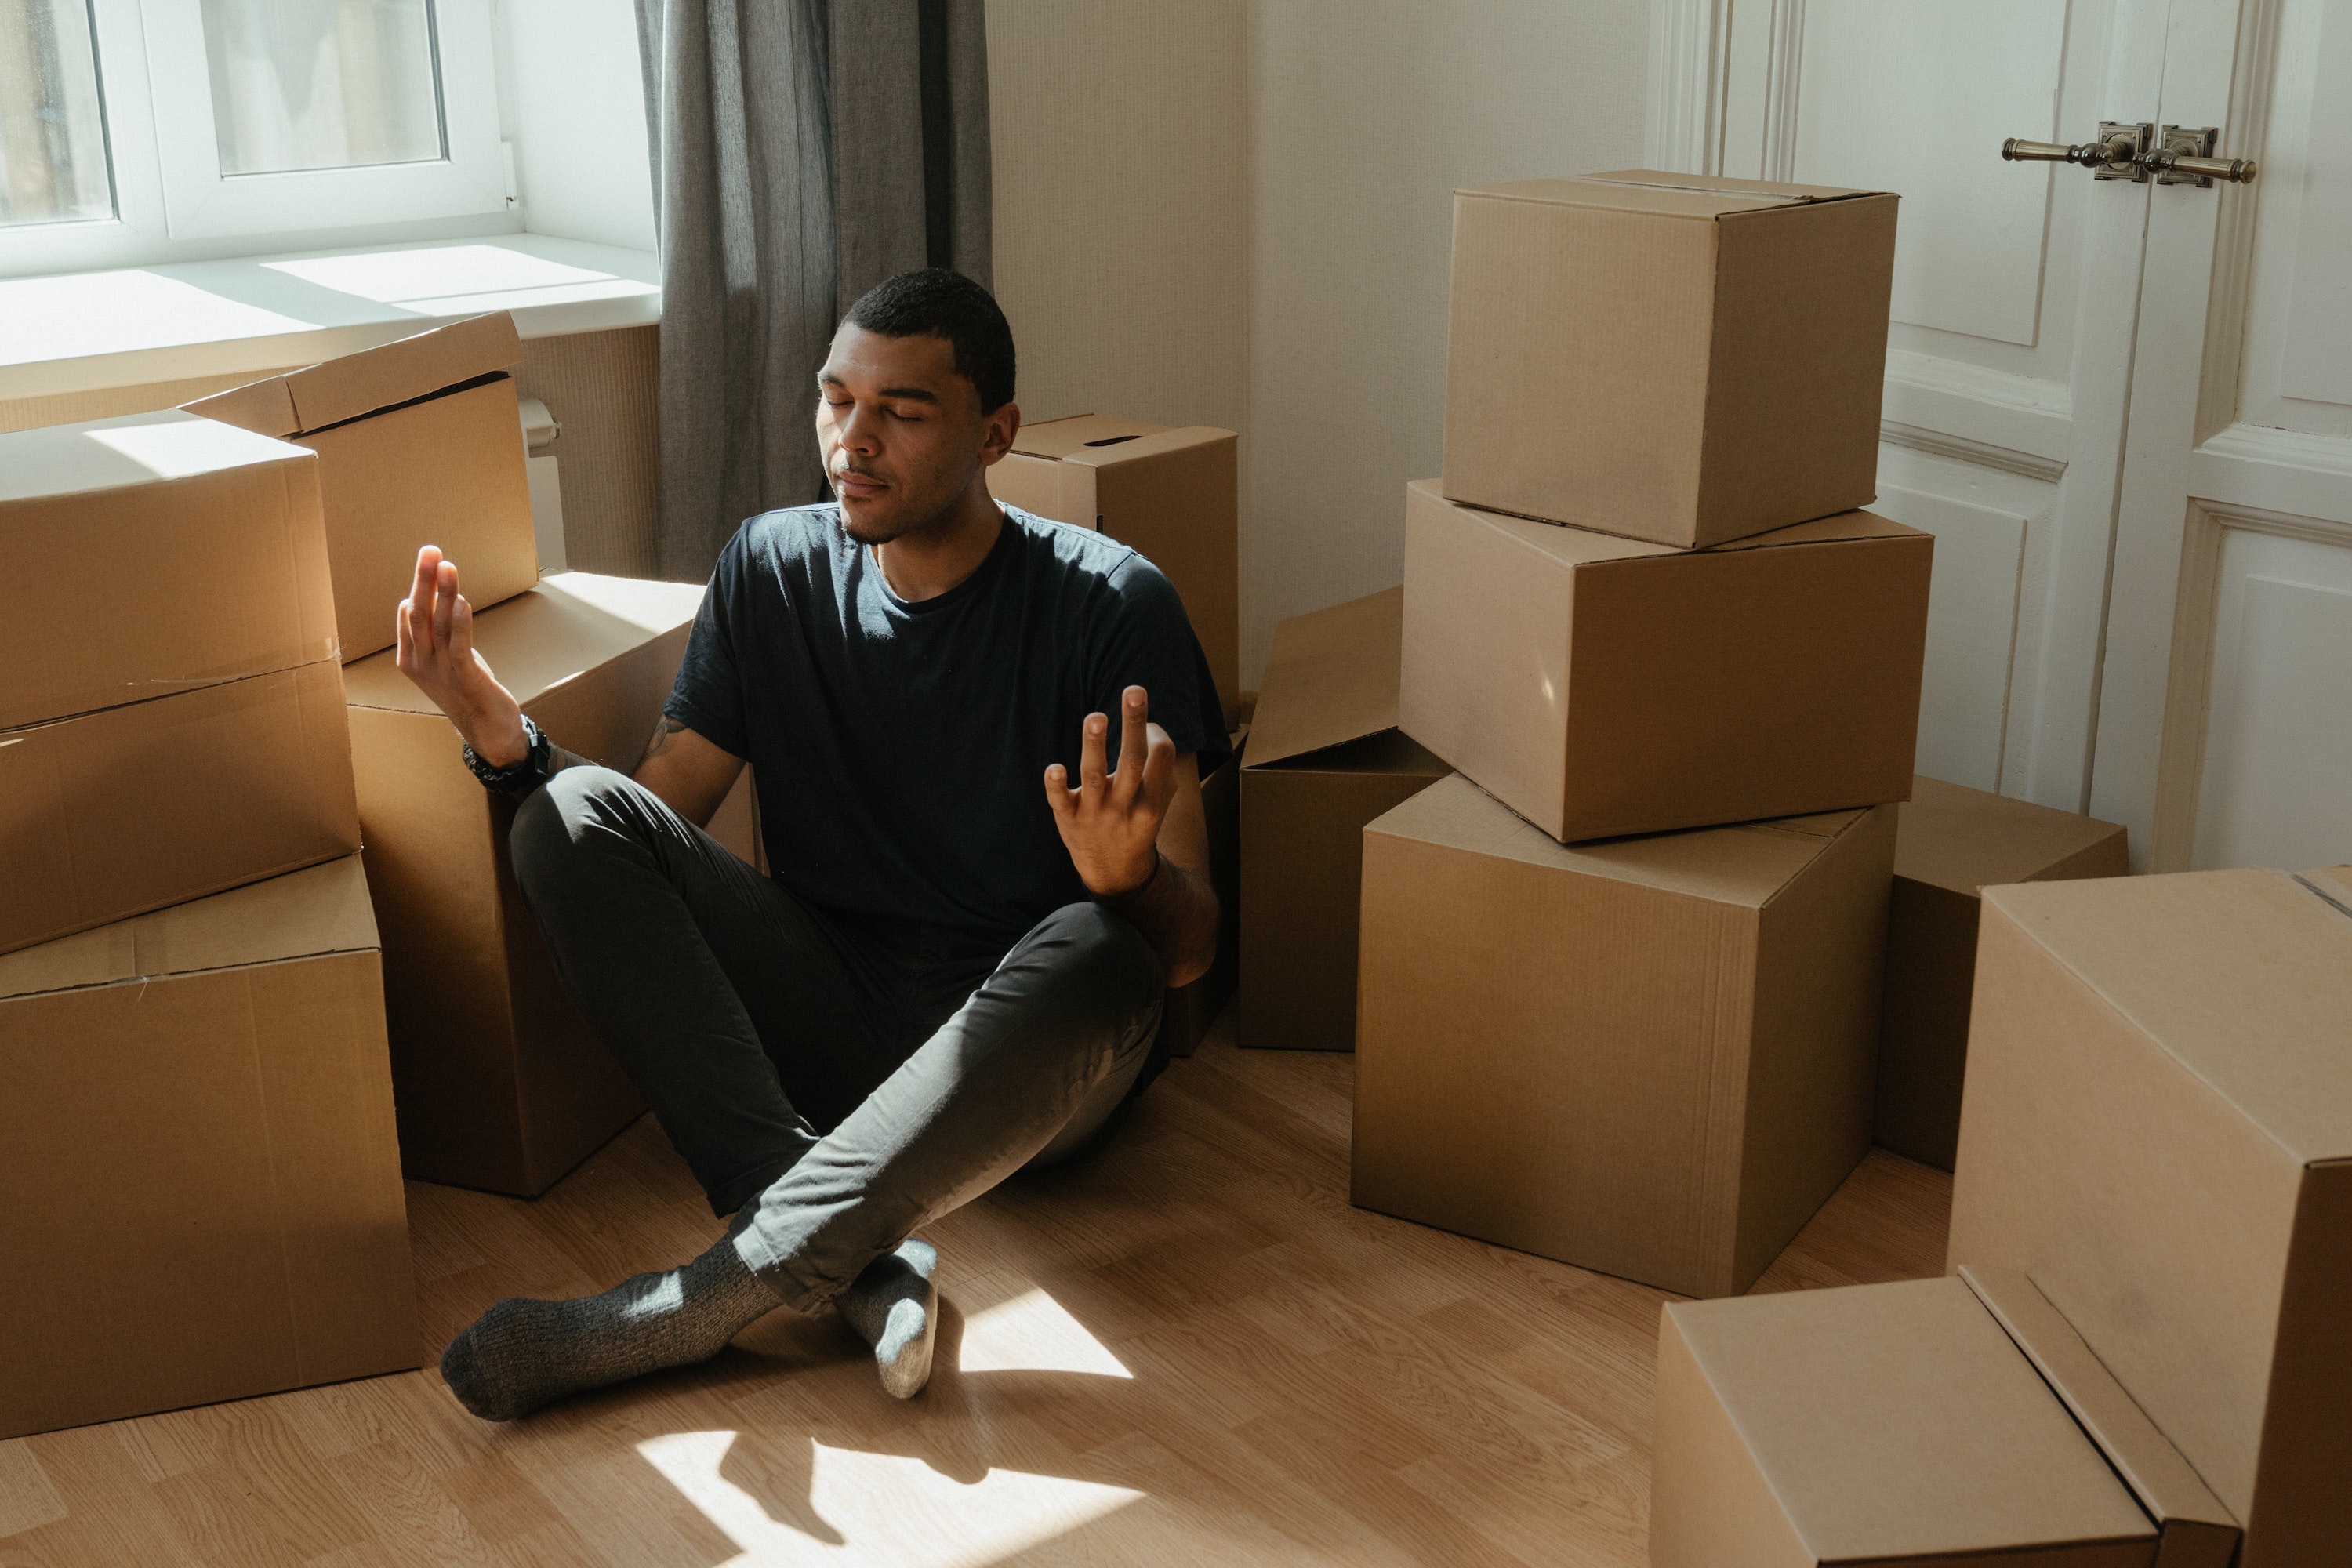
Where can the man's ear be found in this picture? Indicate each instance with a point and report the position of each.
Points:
(996, 436)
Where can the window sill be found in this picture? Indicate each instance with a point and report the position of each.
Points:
(88, 332)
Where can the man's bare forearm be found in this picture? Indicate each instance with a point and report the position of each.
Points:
(1176, 911)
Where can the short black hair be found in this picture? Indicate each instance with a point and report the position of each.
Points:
(936, 304)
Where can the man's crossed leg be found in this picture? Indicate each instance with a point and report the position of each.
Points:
(834, 1082)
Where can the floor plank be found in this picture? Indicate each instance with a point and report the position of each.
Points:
(1189, 1348)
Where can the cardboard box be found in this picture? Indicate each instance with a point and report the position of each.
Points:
(419, 443)
(1188, 1010)
(501, 1084)
(1650, 1057)
(2158, 1129)
(151, 554)
(1601, 685)
(1174, 494)
(1949, 842)
(196, 1142)
(1671, 357)
(1325, 758)
(111, 814)
(1916, 1423)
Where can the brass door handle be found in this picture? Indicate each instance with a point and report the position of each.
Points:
(2114, 156)
(2176, 155)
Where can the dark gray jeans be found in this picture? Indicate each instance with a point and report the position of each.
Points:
(860, 1077)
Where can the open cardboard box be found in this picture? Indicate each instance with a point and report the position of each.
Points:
(203, 1197)
(1173, 494)
(1325, 758)
(1950, 841)
(2158, 1129)
(503, 1084)
(1954, 1421)
(1681, 358)
(1651, 1057)
(1602, 686)
(419, 443)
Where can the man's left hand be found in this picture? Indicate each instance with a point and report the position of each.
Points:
(1110, 821)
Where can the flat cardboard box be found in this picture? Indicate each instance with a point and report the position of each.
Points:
(419, 443)
(2158, 1129)
(1601, 685)
(1188, 1010)
(151, 554)
(1949, 842)
(1672, 357)
(503, 1084)
(1650, 1057)
(109, 815)
(1894, 1424)
(203, 1197)
(1325, 758)
(1174, 494)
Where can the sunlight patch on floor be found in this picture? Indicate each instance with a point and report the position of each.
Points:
(1031, 1331)
(886, 1509)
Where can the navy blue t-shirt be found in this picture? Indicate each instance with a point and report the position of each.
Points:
(900, 748)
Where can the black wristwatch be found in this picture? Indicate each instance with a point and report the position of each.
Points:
(518, 778)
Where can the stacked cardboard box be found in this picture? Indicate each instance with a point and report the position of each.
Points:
(1950, 842)
(419, 443)
(2158, 1129)
(196, 1094)
(1640, 607)
(501, 1084)
(171, 717)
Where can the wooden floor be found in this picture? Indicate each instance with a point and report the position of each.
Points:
(1189, 1350)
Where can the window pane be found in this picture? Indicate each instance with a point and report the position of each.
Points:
(322, 84)
(52, 131)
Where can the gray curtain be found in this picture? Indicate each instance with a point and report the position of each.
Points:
(784, 189)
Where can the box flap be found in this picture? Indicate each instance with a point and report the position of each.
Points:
(1108, 451)
(2333, 883)
(131, 450)
(299, 915)
(1897, 1422)
(1662, 194)
(337, 390)
(570, 623)
(1332, 676)
(2167, 1487)
(1782, 192)
(264, 407)
(2244, 977)
(1951, 836)
(1836, 528)
(1569, 546)
(1057, 438)
(1746, 865)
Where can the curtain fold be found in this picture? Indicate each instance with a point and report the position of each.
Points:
(803, 151)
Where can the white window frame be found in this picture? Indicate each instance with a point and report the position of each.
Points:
(171, 202)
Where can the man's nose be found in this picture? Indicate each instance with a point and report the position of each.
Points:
(858, 431)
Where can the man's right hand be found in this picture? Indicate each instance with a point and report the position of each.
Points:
(436, 650)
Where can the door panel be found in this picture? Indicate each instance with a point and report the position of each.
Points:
(1885, 90)
(2277, 750)
(2226, 709)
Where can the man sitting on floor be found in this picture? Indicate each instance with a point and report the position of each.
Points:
(952, 974)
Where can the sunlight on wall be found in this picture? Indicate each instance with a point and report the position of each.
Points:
(1034, 1333)
(884, 1509)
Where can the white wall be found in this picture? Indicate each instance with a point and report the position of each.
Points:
(1238, 213)
(1118, 131)
(1365, 116)
(572, 98)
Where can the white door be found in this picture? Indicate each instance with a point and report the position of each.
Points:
(2225, 719)
(2009, 352)
(2110, 399)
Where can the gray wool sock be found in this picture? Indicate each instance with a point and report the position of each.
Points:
(894, 1305)
(521, 1355)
